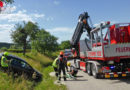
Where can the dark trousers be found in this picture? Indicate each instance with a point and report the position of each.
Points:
(56, 71)
(75, 73)
(59, 72)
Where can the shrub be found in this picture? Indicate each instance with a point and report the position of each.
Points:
(18, 50)
(4, 49)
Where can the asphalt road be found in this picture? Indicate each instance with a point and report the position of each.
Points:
(86, 82)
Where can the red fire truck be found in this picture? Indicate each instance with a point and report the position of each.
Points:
(105, 52)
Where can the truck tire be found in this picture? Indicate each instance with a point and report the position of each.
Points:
(89, 71)
(94, 71)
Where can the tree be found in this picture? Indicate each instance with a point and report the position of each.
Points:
(65, 45)
(15, 46)
(45, 42)
(24, 33)
(8, 1)
(32, 29)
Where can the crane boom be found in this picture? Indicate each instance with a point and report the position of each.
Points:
(82, 24)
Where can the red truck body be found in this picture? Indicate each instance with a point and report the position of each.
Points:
(110, 51)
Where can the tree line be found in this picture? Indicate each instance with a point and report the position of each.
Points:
(29, 35)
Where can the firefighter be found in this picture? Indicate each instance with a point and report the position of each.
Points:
(61, 66)
(55, 66)
(5, 62)
(73, 71)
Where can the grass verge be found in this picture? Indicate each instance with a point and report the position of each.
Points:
(39, 62)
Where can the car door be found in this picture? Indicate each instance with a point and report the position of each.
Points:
(26, 67)
(19, 65)
(16, 64)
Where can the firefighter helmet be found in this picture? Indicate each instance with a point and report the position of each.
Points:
(6, 53)
(61, 53)
(68, 64)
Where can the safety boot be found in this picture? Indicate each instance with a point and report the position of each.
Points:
(59, 77)
(64, 78)
(56, 74)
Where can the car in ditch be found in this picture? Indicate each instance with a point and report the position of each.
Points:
(20, 66)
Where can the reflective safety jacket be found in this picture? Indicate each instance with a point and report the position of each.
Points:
(3, 61)
(54, 64)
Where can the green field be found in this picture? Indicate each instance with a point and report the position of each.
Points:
(39, 62)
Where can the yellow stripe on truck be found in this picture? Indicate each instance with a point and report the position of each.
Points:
(107, 76)
(115, 75)
(123, 75)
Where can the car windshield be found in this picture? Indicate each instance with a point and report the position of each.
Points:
(21, 63)
(25, 65)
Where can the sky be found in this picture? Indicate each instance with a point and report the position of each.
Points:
(60, 17)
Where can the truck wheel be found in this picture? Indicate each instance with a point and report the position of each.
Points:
(89, 69)
(94, 71)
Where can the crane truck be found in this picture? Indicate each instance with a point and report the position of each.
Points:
(105, 52)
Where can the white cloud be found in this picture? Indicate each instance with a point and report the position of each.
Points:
(11, 15)
(16, 17)
(38, 15)
(50, 19)
(5, 36)
(61, 29)
(6, 27)
(63, 33)
(8, 9)
(5, 30)
(19, 16)
(56, 2)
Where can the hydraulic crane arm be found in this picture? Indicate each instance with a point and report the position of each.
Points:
(82, 24)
